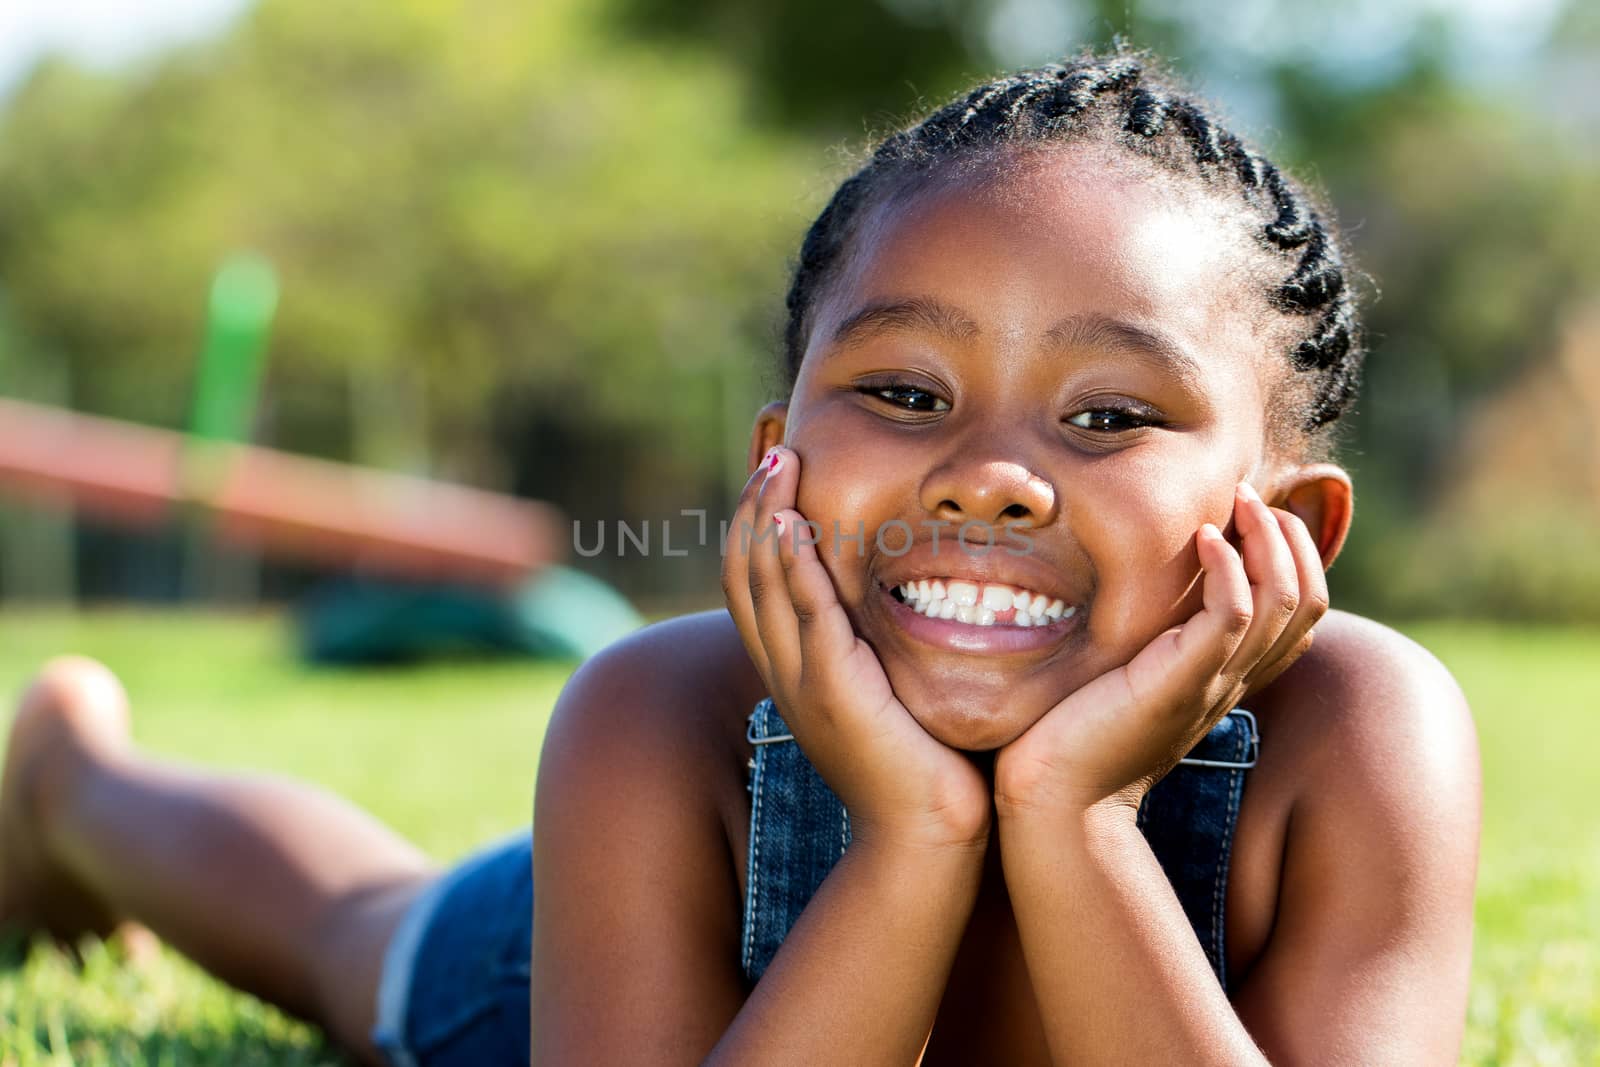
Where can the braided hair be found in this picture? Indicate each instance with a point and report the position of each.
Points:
(1126, 99)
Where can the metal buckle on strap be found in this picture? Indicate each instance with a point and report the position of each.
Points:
(750, 732)
(1250, 720)
(1255, 748)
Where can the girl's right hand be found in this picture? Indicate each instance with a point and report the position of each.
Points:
(897, 782)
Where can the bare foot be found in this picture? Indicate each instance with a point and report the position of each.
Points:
(73, 713)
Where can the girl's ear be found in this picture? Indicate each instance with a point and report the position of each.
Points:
(1321, 495)
(768, 432)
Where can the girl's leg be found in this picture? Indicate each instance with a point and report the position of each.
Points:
(278, 888)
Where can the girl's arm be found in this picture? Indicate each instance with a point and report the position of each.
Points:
(635, 942)
(637, 916)
(1370, 950)
(1367, 959)
(1118, 973)
(859, 978)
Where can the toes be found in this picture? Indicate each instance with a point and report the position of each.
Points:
(69, 681)
(80, 693)
(72, 711)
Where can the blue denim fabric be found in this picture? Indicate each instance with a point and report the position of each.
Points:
(454, 988)
(799, 829)
(455, 984)
(1189, 817)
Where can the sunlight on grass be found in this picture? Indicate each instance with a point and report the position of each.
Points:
(1535, 693)
(447, 755)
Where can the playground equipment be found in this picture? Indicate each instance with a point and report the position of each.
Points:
(439, 565)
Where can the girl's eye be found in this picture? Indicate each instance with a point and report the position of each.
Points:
(907, 397)
(1109, 420)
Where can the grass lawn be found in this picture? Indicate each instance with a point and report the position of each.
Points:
(447, 755)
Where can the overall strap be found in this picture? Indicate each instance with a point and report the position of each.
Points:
(1189, 817)
(799, 829)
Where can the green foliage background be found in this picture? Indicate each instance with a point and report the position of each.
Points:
(542, 247)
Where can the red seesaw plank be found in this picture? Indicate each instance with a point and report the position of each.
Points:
(312, 509)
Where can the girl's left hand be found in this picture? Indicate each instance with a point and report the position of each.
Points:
(1110, 741)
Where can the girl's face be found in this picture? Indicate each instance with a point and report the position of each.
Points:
(1074, 351)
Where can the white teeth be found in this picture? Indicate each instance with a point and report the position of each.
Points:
(964, 594)
(979, 605)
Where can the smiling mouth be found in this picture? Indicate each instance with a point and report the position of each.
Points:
(982, 604)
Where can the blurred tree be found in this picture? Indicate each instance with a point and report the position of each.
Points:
(542, 245)
(835, 64)
(828, 63)
(1475, 209)
(458, 206)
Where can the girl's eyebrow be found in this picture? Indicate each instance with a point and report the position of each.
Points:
(1148, 345)
(916, 313)
(1088, 330)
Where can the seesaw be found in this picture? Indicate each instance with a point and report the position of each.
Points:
(428, 564)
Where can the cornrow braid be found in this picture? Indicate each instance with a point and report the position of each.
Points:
(1123, 98)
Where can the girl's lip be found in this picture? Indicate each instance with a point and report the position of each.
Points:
(981, 640)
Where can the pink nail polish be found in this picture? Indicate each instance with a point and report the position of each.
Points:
(773, 460)
(777, 521)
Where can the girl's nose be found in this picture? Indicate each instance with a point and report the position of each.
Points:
(993, 491)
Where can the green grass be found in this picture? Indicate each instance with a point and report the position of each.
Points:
(447, 755)
(1535, 693)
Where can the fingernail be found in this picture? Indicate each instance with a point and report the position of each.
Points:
(1208, 530)
(1248, 491)
(773, 459)
(777, 521)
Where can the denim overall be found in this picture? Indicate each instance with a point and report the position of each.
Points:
(454, 991)
(799, 829)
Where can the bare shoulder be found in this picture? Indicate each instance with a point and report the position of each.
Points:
(1366, 700)
(1369, 764)
(636, 933)
(671, 695)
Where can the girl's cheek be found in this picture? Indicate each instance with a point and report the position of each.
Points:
(838, 484)
(1145, 578)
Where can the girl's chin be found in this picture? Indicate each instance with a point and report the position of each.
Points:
(971, 725)
(976, 711)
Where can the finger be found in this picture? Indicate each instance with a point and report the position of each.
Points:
(1314, 601)
(1208, 640)
(768, 589)
(826, 636)
(736, 567)
(1274, 585)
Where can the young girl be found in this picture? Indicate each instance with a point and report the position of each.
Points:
(1013, 744)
